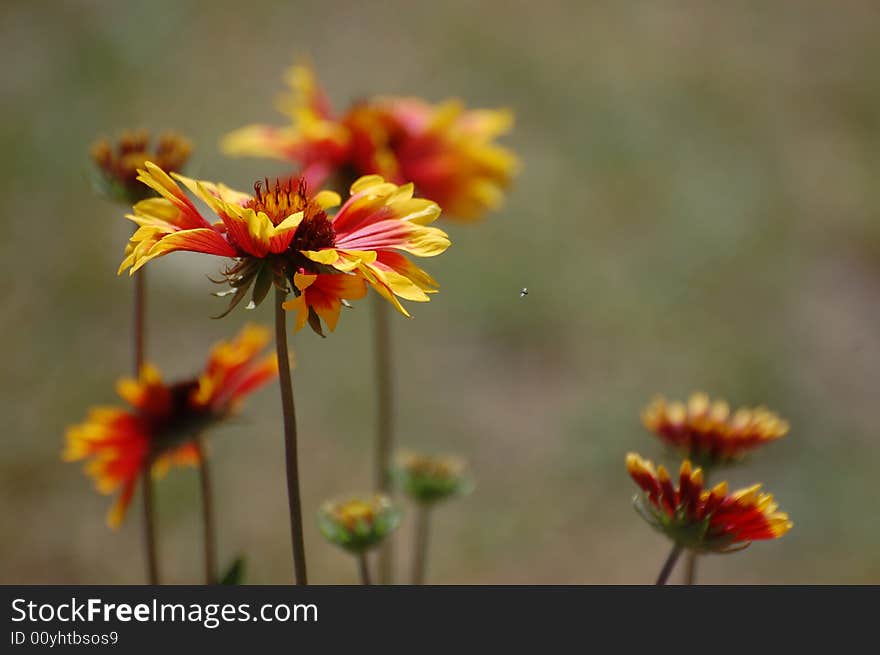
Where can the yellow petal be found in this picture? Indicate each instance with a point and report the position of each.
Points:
(327, 199)
(289, 223)
(370, 182)
(303, 281)
(299, 306)
(328, 256)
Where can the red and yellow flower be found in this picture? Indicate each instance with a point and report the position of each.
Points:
(707, 432)
(162, 419)
(117, 163)
(285, 236)
(449, 153)
(704, 520)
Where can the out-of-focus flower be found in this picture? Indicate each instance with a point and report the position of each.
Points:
(704, 520)
(707, 432)
(428, 479)
(448, 152)
(117, 164)
(162, 419)
(283, 235)
(358, 524)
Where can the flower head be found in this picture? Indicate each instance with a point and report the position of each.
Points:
(449, 153)
(707, 432)
(162, 419)
(117, 163)
(428, 479)
(358, 524)
(284, 236)
(704, 520)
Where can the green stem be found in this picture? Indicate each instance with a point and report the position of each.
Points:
(150, 523)
(384, 422)
(420, 549)
(138, 320)
(690, 568)
(285, 385)
(669, 565)
(138, 338)
(364, 568)
(690, 561)
(209, 533)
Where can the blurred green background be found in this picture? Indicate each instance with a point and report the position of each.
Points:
(698, 209)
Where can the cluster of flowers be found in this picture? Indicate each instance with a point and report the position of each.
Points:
(399, 160)
(695, 518)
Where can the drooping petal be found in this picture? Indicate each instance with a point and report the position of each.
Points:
(378, 279)
(343, 261)
(403, 266)
(300, 308)
(400, 285)
(324, 294)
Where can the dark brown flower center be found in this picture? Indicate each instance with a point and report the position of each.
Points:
(181, 394)
(183, 420)
(314, 232)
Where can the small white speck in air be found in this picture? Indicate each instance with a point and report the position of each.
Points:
(524, 292)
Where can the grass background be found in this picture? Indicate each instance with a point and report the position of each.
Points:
(698, 209)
